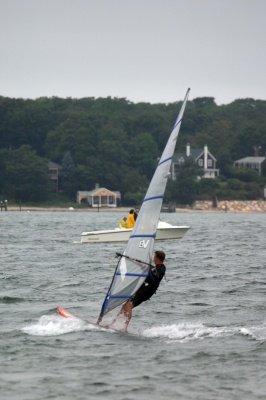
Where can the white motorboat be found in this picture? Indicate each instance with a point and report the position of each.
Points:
(165, 231)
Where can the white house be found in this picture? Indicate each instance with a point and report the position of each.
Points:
(202, 157)
(99, 197)
(251, 162)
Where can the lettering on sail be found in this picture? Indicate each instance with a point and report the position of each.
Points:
(143, 243)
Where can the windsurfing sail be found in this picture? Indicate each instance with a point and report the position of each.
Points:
(133, 265)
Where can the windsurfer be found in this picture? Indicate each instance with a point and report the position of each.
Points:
(127, 288)
(146, 290)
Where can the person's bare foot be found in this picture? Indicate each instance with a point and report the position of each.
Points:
(101, 325)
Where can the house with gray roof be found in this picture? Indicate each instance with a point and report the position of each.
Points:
(255, 163)
(202, 157)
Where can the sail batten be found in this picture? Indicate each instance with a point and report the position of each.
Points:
(153, 198)
(131, 273)
(167, 159)
(152, 235)
(178, 122)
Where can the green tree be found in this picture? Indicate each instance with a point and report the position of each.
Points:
(208, 188)
(184, 190)
(143, 154)
(68, 182)
(26, 175)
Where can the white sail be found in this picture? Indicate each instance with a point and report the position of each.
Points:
(133, 266)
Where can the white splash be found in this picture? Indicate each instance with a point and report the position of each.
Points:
(186, 331)
(255, 332)
(53, 325)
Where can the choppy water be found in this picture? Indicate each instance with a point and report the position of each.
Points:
(203, 336)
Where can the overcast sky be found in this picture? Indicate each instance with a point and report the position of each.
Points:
(144, 50)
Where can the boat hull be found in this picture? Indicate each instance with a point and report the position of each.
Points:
(122, 235)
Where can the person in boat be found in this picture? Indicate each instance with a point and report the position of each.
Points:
(130, 219)
(136, 213)
(123, 222)
(146, 290)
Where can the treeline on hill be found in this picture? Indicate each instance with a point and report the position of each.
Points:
(117, 143)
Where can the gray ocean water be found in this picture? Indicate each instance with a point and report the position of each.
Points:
(202, 336)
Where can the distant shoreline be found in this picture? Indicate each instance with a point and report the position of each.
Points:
(207, 206)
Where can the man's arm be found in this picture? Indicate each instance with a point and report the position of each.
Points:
(160, 271)
(133, 259)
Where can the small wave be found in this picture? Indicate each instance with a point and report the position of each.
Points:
(255, 332)
(184, 332)
(9, 299)
(53, 325)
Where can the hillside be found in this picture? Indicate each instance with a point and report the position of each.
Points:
(117, 143)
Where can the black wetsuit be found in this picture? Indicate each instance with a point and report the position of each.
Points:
(150, 285)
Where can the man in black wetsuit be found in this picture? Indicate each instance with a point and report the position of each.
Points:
(147, 289)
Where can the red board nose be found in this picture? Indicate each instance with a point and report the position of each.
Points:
(64, 313)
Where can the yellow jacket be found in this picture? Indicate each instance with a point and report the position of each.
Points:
(123, 224)
(130, 221)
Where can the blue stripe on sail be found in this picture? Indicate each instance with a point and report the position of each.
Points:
(178, 122)
(140, 236)
(153, 198)
(119, 297)
(131, 274)
(167, 159)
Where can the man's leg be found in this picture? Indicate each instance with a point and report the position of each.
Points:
(126, 312)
